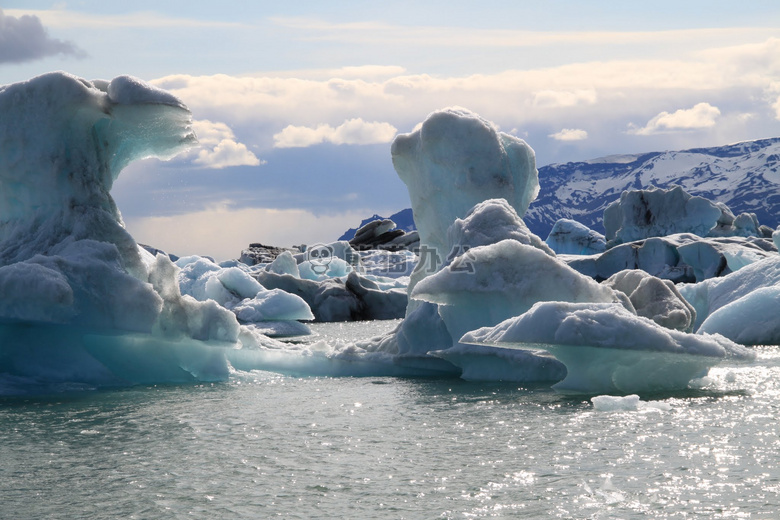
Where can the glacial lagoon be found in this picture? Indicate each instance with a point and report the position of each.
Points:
(263, 445)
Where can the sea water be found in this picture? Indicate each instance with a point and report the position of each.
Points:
(268, 446)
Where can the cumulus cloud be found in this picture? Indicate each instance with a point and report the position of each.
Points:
(219, 148)
(701, 115)
(25, 38)
(570, 134)
(351, 131)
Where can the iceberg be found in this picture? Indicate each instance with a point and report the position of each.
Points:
(681, 258)
(274, 311)
(607, 349)
(82, 304)
(336, 284)
(654, 298)
(741, 306)
(569, 237)
(454, 160)
(654, 212)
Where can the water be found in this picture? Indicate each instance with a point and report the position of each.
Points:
(269, 446)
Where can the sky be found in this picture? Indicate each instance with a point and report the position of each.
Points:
(296, 103)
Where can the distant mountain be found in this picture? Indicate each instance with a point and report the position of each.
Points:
(404, 220)
(745, 176)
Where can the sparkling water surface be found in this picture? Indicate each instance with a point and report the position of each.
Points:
(268, 446)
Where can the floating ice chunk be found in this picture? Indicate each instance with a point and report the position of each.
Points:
(235, 289)
(284, 264)
(611, 403)
(321, 262)
(710, 295)
(654, 298)
(752, 319)
(318, 271)
(658, 212)
(272, 305)
(569, 237)
(491, 283)
(607, 349)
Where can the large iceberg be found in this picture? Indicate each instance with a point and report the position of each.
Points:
(81, 302)
(608, 349)
(742, 305)
(454, 165)
(657, 212)
(454, 160)
(503, 271)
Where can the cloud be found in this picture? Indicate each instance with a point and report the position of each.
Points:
(367, 33)
(773, 96)
(563, 99)
(218, 147)
(362, 72)
(25, 38)
(510, 97)
(351, 131)
(570, 134)
(702, 115)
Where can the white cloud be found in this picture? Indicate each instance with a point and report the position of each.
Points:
(570, 134)
(227, 153)
(223, 232)
(362, 72)
(773, 93)
(514, 95)
(351, 131)
(604, 96)
(563, 99)
(218, 147)
(701, 115)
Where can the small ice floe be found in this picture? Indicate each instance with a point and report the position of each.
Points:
(613, 403)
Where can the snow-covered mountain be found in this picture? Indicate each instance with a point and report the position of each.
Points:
(744, 176)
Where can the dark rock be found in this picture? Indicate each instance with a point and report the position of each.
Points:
(258, 253)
